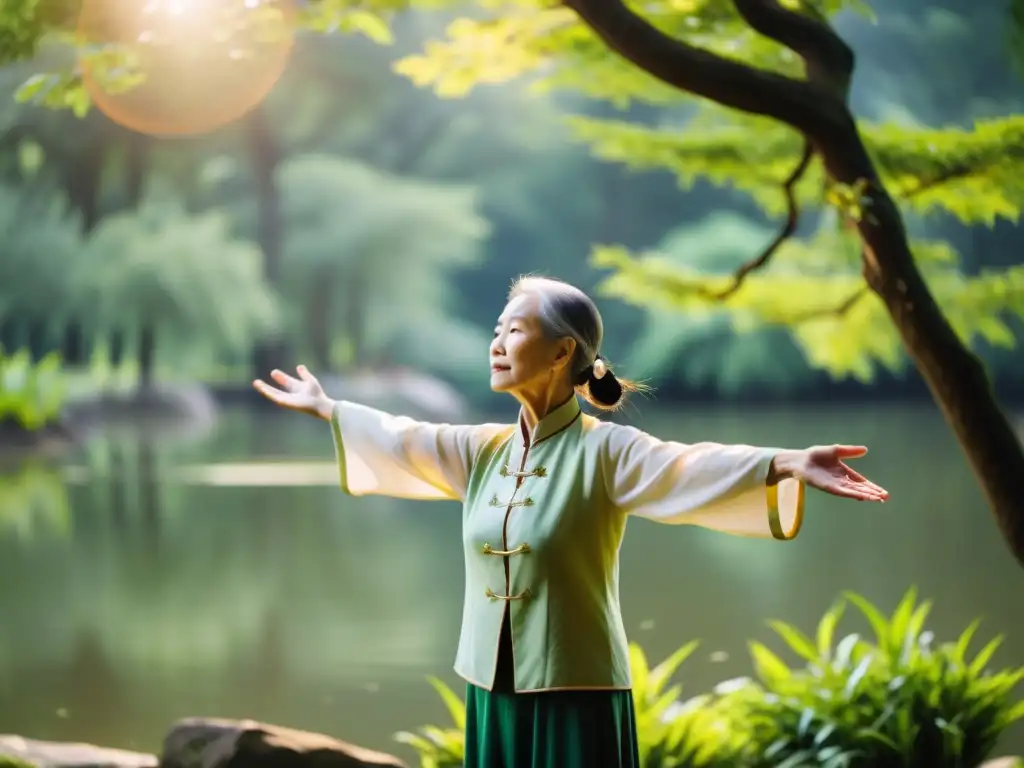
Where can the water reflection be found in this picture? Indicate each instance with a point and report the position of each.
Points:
(146, 580)
(33, 503)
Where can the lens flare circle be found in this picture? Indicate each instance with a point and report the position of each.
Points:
(182, 67)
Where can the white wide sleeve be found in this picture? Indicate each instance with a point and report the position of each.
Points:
(387, 455)
(723, 487)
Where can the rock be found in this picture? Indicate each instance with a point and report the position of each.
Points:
(52, 754)
(213, 743)
(183, 410)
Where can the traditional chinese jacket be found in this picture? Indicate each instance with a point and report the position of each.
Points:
(544, 517)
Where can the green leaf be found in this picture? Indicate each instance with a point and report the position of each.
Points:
(456, 707)
(878, 622)
(964, 641)
(663, 671)
(795, 639)
(79, 101)
(34, 86)
(371, 25)
(769, 667)
(985, 655)
(827, 628)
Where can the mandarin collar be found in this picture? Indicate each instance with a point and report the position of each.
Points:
(553, 423)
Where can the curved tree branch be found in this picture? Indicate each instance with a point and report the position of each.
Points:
(839, 310)
(827, 57)
(703, 73)
(787, 231)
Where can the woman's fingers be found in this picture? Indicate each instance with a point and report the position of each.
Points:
(305, 375)
(293, 394)
(859, 492)
(850, 451)
(855, 475)
(286, 381)
(848, 487)
(274, 395)
(865, 491)
(267, 391)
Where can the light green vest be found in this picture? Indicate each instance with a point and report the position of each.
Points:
(543, 520)
(543, 509)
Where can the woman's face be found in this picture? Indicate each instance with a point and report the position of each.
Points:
(522, 357)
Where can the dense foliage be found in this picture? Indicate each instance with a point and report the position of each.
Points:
(897, 699)
(31, 394)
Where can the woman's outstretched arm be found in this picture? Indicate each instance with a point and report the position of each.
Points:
(739, 489)
(382, 454)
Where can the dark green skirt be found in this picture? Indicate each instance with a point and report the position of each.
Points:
(552, 729)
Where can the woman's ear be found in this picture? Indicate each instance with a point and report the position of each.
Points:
(565, 352)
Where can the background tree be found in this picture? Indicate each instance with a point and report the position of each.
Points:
(38, 242)
(168, 275)
(350, 232)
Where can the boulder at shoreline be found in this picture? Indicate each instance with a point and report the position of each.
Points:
(204, 743)
(52, 754)
(216, 743)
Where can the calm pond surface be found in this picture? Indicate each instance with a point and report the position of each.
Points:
(150, 577)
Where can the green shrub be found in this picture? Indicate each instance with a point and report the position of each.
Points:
(898, 700)
(689, 738)
(31, 394)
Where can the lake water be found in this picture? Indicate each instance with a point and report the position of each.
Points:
(149, 577)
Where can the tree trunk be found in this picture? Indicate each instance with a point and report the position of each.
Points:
(84, 189)
(355, 314)
(137, 160)
(319, 315)
(954, 375)
(265, 154)
(73, 345)
(146, 352)
(38, 341)
(115, 354)
(137, 157)
(10, 334)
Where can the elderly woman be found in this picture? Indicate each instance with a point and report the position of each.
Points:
(545, 501)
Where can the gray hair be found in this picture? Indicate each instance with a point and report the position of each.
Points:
(567, 312)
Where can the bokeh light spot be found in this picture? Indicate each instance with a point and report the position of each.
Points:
(182, 67)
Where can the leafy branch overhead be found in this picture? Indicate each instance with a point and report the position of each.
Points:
(974, 175)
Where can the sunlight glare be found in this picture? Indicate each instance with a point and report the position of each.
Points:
(182, 67)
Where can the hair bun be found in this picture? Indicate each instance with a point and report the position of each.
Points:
(605, 389)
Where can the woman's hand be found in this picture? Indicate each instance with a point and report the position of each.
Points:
(303, 394)
(823, 467)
